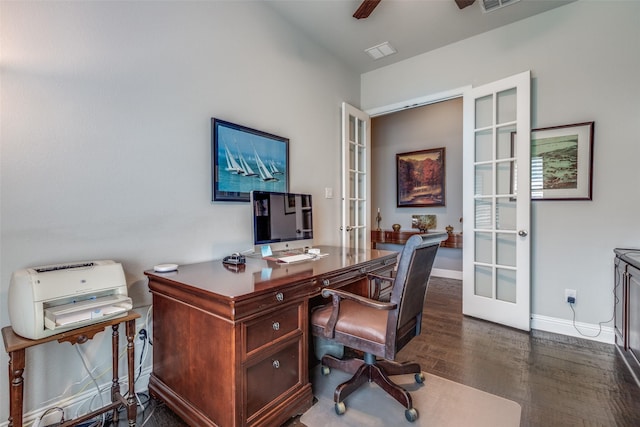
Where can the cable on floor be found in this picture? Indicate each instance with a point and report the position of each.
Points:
(616, 302)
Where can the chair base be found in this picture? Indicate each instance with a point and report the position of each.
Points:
(372, 370)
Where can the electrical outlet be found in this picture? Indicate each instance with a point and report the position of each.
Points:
(569, 293)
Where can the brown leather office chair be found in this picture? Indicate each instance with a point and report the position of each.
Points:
(379, 329)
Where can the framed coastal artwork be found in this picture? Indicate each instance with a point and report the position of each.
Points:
(245, 159)
(561, 162)
(420, 178)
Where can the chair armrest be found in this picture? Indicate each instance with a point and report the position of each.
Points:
(377, 279)
(338, 295)
(373, 276)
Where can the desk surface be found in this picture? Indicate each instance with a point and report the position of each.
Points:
(261, 276)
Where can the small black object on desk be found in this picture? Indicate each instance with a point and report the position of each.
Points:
(234, 259)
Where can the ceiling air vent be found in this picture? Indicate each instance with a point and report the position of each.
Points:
(381, 50)
(491, 5)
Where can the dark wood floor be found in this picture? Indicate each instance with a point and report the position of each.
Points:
(558, 380)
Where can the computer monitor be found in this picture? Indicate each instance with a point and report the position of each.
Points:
(284, 221)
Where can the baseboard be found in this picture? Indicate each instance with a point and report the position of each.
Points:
(447, 274)
(551, 324)
(73, 404)
(586, 331)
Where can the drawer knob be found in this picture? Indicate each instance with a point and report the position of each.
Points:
(279, 297)
(325, 282)
(276, 326)
(276, 364)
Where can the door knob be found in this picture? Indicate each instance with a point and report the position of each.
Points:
(523, 233)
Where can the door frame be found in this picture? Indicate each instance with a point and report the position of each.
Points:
(418, 102)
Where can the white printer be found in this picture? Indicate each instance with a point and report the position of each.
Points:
(51, 299)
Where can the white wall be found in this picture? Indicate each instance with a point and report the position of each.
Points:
(585, 65)
(105, 141)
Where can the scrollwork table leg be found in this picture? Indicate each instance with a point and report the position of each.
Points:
(16, 386)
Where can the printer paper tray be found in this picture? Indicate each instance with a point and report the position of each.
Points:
(85, 312)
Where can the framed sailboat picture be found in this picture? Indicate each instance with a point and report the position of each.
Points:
(245, 159)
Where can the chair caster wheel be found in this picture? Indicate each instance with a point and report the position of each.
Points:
(325, 370)
(341, 408)
(411, 414)
(419, 378)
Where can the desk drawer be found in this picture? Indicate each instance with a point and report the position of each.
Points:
(272, 377)
(345, 277)
(276, 298)
(272, 326)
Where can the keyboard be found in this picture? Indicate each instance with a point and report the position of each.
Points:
(294, 258)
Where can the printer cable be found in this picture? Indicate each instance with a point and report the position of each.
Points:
(47, 412)
(95, 382)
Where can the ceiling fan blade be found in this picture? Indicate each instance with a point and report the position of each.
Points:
(464, 3)
(365, 9)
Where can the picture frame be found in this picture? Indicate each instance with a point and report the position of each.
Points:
(562, 162)
(290, 204)
(245, 159)
(424, 222)
(420, 178)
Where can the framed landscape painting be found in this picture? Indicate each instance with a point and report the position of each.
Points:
(245, 159)
(561, 162)
(420, 177)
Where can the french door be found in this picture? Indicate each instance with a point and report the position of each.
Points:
(356, 126)
(496, 202)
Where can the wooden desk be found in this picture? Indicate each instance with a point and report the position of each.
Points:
(232, 348)
(15, 346)
(454, 240)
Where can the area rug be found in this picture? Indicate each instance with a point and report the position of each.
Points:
(439, 402)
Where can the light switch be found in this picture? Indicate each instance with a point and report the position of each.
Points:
(328, 193)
